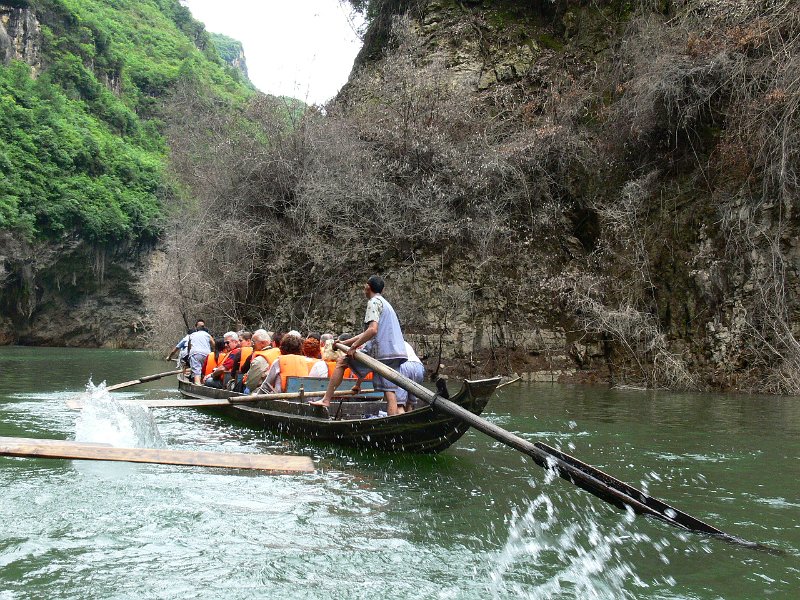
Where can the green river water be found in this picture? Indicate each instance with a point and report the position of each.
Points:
(478, 521)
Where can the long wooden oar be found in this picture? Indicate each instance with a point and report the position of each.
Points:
(187, 403)
(272, 464)
(124, 384)
(286, 396)
(605, 487)
(76, 404)
(509, 382)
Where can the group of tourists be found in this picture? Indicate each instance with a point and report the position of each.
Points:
(262, 361)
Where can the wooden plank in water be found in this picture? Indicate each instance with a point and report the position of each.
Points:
(273, 464)
(79, 404)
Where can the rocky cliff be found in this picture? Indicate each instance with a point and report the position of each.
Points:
(231, 51)
(575, 190)
(660, 243)
(70, 293)
(20, 35)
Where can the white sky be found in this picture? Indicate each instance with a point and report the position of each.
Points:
(299, 48)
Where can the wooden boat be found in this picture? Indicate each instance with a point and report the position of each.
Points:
(355, 421)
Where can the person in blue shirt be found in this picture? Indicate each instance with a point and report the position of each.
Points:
(194, 348)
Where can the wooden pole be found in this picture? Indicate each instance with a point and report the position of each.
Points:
(287, 396)
(77, 404)
(125, 384)
(273, 464)
(585, 476)
(515, 380)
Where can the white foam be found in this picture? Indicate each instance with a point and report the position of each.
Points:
(106, 420)
(588, 556)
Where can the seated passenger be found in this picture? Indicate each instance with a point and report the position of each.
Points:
(291, 363)
(312, 352)
(311, 348)
(274, 349)
(245, 339)
(329, 355)
(323, 339)
(243, 363)
(259, 363)
(226, 371)
(215, 358)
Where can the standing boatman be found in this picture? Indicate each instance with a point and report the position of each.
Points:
(382, 339)
(197, 345)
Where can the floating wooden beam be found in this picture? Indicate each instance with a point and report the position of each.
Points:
(273, 464)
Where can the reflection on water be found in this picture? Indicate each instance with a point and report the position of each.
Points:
(477, 521)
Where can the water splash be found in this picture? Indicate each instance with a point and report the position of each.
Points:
(565, 556)
(106, 420)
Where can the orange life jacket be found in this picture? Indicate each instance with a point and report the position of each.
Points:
(253, 356)
(212, 362)
(293, 365)
(265, 353)
(243, 356)
(271, 354)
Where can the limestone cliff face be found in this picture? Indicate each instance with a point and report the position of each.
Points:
(231, 51)
(20, 35)
(69, 294)
(669, 257)
(239, 62)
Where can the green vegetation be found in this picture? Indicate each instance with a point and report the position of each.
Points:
(229, 49)
(81, 148)
(67, 170)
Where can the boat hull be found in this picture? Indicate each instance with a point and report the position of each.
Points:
(354, 422)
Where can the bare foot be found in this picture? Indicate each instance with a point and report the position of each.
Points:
(322, 402)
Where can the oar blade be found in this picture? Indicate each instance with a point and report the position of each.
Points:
(269, 463)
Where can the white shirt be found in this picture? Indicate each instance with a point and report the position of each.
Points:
(201, 342)
(412, 356)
